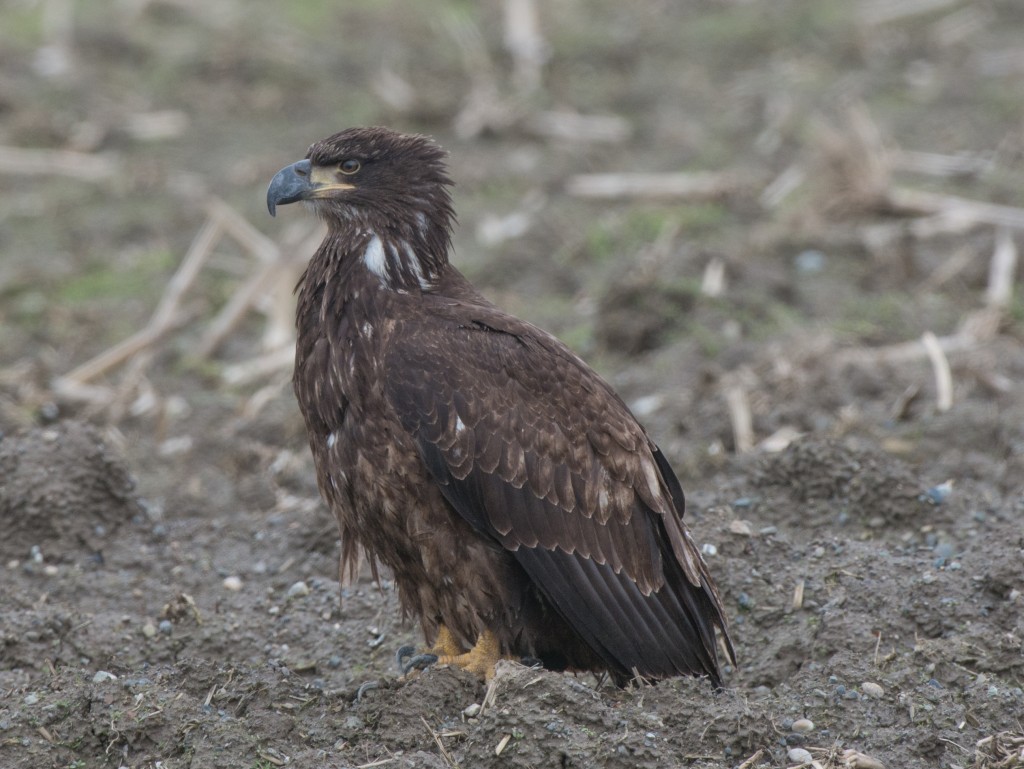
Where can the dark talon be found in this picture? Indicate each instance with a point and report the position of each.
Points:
(408, 659)
(365, 688)
(419, 662)
(402, 654)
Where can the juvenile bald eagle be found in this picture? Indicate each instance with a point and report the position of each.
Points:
(520, 506)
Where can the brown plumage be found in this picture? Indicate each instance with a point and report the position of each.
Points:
(507, 487)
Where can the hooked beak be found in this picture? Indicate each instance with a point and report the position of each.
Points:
(290, 184)
(303, 181)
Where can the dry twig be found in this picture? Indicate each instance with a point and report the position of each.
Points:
(526, 45)
(914, 202)
(1004, 750)
(76, 165)
(675, 186)
(1002, 271)
(738, 403)
(164, 318)
(440, 745)
(943, 375)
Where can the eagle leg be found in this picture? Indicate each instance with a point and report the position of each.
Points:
(480, 660)
(445, 645)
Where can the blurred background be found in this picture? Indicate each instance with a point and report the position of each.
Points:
(703, 177)
(786, 231)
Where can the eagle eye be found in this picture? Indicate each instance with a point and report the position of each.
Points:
(349, 166)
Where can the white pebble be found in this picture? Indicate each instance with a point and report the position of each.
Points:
(149, 630)
(175, 446)
(872, 689)
(234, 584)
(103, 675)
(472, 711)
(803, 726)
(708, 549)
(741, 527)
(50, 570)
(300, 588)
(799, 756)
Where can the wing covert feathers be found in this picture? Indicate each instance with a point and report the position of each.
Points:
(533, 449)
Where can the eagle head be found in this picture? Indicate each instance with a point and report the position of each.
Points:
(371, 173)
(382, 194)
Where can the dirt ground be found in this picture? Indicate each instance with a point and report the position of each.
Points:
(826, 344)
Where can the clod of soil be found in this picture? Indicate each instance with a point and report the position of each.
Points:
(62, 491)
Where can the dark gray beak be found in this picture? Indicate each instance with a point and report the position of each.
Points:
(290, 184)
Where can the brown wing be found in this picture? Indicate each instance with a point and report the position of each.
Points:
(533, 449)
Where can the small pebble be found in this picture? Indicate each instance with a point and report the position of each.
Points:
(50, 570)
(871, 689)
(708, 549)
(149, 630)
(233, 584)
(472, 711)
(31, 699)
(334, 661)
(166, 627)
(945, 550)
(740, 527)
(803, 726)
(799, 756)
(103, 675)
(939, 494)
(809, 262)
(297, 590)
(744, 601)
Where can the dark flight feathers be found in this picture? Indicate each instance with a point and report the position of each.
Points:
(537, 452)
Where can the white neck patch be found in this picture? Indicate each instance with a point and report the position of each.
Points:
(386, 262)
(373, 258)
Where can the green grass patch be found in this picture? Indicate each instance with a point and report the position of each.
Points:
(143, 280)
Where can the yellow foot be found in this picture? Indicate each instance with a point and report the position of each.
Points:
(445, 644)
(480, 660)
